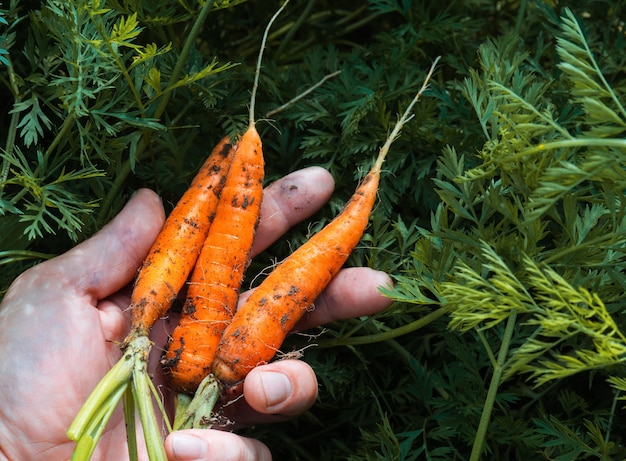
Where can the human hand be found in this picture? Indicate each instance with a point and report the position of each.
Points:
(61, 323)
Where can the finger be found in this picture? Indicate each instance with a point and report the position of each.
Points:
(290, 200)
(273, 392)
(209, 445)
(106, 262)
(286, 387)
(352, 293)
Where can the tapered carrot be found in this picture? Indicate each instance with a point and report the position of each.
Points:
(164, 271)
(271, 312)
(175, 250)
(216, 280)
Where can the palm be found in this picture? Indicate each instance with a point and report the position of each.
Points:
(55, 354)
(61, 324)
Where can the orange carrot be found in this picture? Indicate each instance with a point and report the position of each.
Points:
(174, 252)
(273, 309)
(271, 312)
(163, 273)
(218, 274)
(216, 280)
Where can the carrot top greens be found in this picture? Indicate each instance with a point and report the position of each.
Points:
(501, 210)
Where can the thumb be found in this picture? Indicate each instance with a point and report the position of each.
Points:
(107, 261)
(210, 444)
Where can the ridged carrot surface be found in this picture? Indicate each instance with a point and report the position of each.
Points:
(216, 280)
(173, 254)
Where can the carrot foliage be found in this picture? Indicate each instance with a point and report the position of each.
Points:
(501, 211)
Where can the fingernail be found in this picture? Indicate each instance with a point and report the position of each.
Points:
(277, 387)
(188, 447)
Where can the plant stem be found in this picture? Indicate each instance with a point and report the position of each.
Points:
(609, 425)
(483, 340)
(93, 416)
(294, 28)
(116, 187)
(182, 404)
(61, 134)
(116, 56)
(182, 59)
(117, 377)
(129, 420)
(404, 118)
(569, 143)
(12, 256)
(257, 72)
(560, 253)
(485, 417)
(386, 335)
(87, 442)
(11, 133)
(143, 399)
(303, 94)
(521, 14)
(197, 413)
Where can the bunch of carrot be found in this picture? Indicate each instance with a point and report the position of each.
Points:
(206, 242)
(262, 322)
(162, 275)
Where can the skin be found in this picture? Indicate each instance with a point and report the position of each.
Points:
(60, 320)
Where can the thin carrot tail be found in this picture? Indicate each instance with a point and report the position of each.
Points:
(404, 118)
(257, 72)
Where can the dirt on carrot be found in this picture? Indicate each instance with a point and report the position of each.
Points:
(216, 280)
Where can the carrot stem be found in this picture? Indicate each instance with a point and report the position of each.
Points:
(159, 403)
(88, 440)
(406, 116)
(197, 412)
(349, 340)
(93, 416)
(129, 420)
(108, 390)
(496, 379)
(182, 404)
(143, 398)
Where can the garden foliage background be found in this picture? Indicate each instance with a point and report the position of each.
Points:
(501, 212)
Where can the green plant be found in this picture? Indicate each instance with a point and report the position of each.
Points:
(501, 212)
(89, 93)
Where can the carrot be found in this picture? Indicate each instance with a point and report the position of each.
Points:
(263, 321)
(164, 271)
(176, 248)
(216, 280)
(218, 274)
